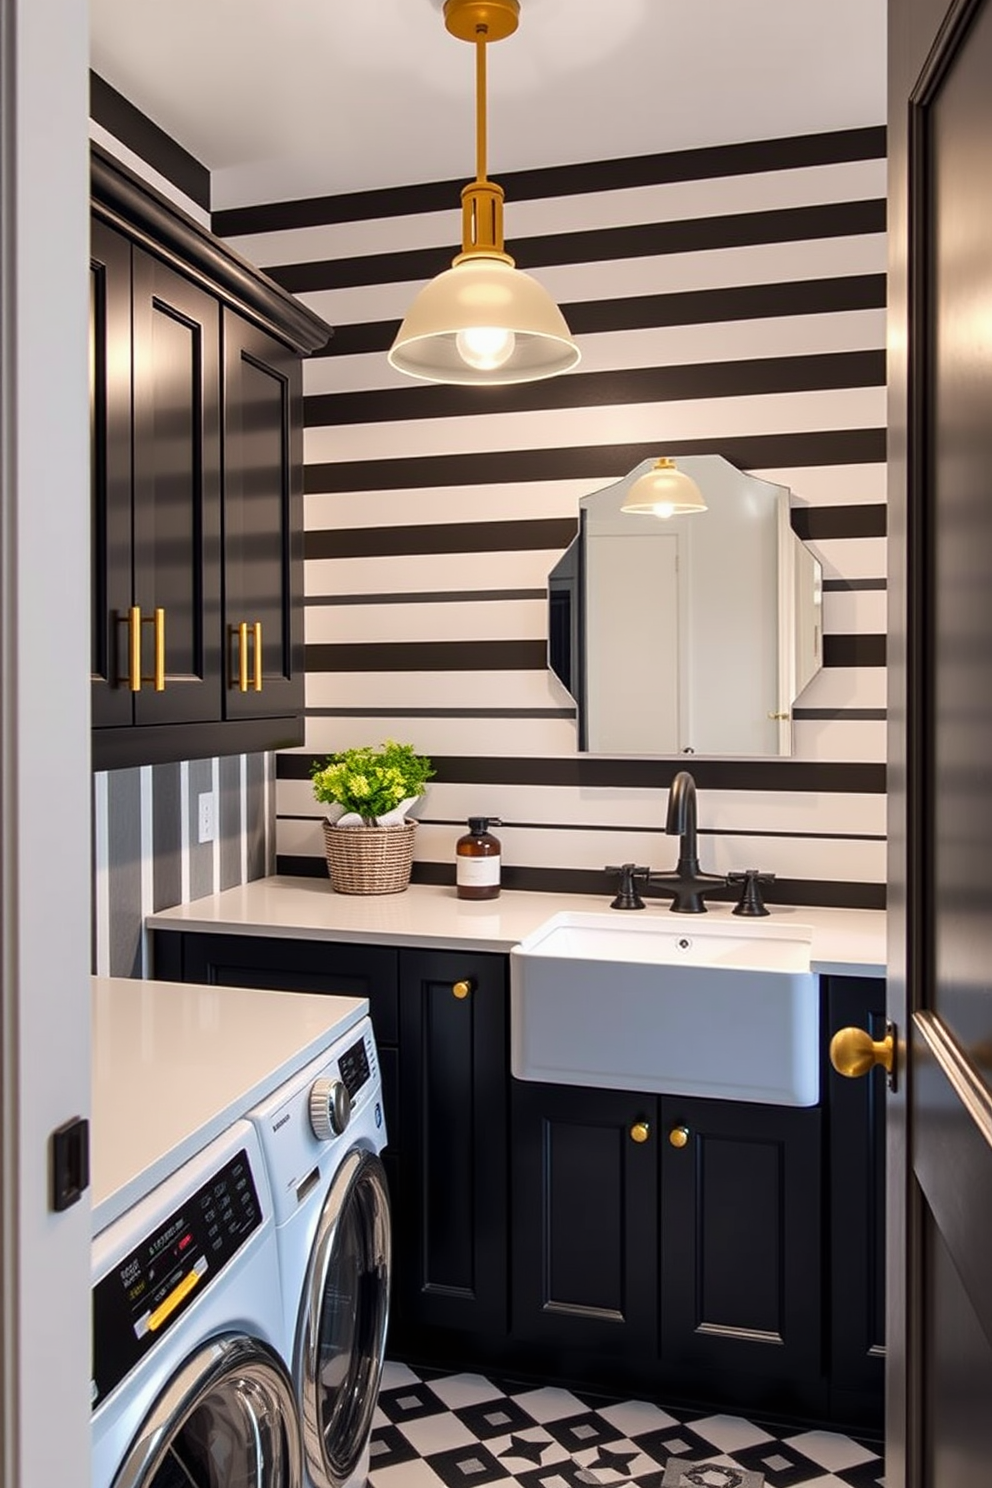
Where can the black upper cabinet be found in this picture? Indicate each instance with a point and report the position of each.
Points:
(263, 523)
(197, 477)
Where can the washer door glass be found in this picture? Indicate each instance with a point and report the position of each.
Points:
(342, 1335)
(226, 1420)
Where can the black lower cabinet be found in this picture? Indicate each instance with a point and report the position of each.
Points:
(451, 1244)
(674, 1242)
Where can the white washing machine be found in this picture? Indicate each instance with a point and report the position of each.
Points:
(322, 1135)
(191, 1379)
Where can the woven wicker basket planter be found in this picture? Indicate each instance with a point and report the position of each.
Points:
(369, 860)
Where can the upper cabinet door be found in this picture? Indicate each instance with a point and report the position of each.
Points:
(177, 485)
(263, 526)
(110, 471)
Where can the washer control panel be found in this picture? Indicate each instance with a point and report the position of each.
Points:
(137, 1301)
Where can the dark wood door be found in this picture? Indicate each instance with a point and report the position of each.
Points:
(110, 472)
(585, 1220)
(451, 1208)
(940, 1151)
(263, 524)
(741, 1277)
(176, 521)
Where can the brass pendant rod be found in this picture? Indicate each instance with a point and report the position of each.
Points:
(481, 38)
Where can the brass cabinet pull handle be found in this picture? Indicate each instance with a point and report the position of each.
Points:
(854, 1052)
(159, 633)
(134, 648)
(243, 656)
(258, 655)
(640, 1131)
(135, 620)
(679, 1136)
(462, 989)
(779, 717)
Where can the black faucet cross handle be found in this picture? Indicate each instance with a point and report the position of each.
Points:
(751, 901)
(627, 895)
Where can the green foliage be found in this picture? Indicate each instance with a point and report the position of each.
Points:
(371, 781)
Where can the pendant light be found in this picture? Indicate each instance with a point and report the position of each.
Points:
(664, 491)
(483, 321)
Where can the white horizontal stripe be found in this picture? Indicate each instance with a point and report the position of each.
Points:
(148, 173)
(807, 812)
(422, 573)
(509, 620)
(855, 612)
(845, 687)
(850, 557)
(431, 690)
(656, 423)
(832, 485)
(515, 737)
(655, 346)
(841, 739)
(710, 196)
(663, 273)
(514, 501)
(839, 862)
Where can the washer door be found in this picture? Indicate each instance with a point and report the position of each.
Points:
(342, 1328)
(226, 1420)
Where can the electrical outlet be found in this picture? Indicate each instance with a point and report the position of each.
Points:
(207, 824)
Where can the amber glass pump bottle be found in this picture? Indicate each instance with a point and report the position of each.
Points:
(477, 860)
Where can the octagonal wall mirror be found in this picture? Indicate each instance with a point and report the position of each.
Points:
(692, 635)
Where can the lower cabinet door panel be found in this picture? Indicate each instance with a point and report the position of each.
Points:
(585, 1217)
(740, 1250)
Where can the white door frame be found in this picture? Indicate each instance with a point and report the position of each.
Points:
(44, 734)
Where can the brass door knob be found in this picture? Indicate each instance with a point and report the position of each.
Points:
(462, 989)
(679, 1136)
(854, 1052)
(640, 1131)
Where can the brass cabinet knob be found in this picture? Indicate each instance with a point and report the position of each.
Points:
(679, 1136)
(854, 1052)
(640, 1131)
(462, 989)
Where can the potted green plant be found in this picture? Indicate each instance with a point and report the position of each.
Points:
(369, 845)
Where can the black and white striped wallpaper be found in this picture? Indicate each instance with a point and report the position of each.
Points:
(726, 300)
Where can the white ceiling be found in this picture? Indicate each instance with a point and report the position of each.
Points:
(287, 98)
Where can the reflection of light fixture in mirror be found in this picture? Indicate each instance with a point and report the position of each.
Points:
(483, 320)
(664, 491)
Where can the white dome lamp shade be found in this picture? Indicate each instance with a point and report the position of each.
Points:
(664, 491)
(483, 321)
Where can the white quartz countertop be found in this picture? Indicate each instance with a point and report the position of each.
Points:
(848, 942)
(175, 1064)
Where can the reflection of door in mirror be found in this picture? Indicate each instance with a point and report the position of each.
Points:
(693, 635)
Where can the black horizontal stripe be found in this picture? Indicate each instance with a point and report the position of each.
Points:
(743, 159)
(427, 656)
(598, 245)
(487, 713)
(646, 828)
(812, 522)
(756, 377)
(629, 773)
(838, 586)
(826, 893)
(134, 129)
(687, 307)
(441, 537)
(429, 596)
(854, 650)
(605, 461)
(859, 715)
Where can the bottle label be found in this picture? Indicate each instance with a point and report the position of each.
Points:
(477, 873)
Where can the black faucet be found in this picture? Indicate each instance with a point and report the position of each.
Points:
(687, 884)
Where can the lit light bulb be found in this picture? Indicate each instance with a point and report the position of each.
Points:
(663, 509)
(485, 347)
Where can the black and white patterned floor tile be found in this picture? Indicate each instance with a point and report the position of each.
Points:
(457, 1430)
